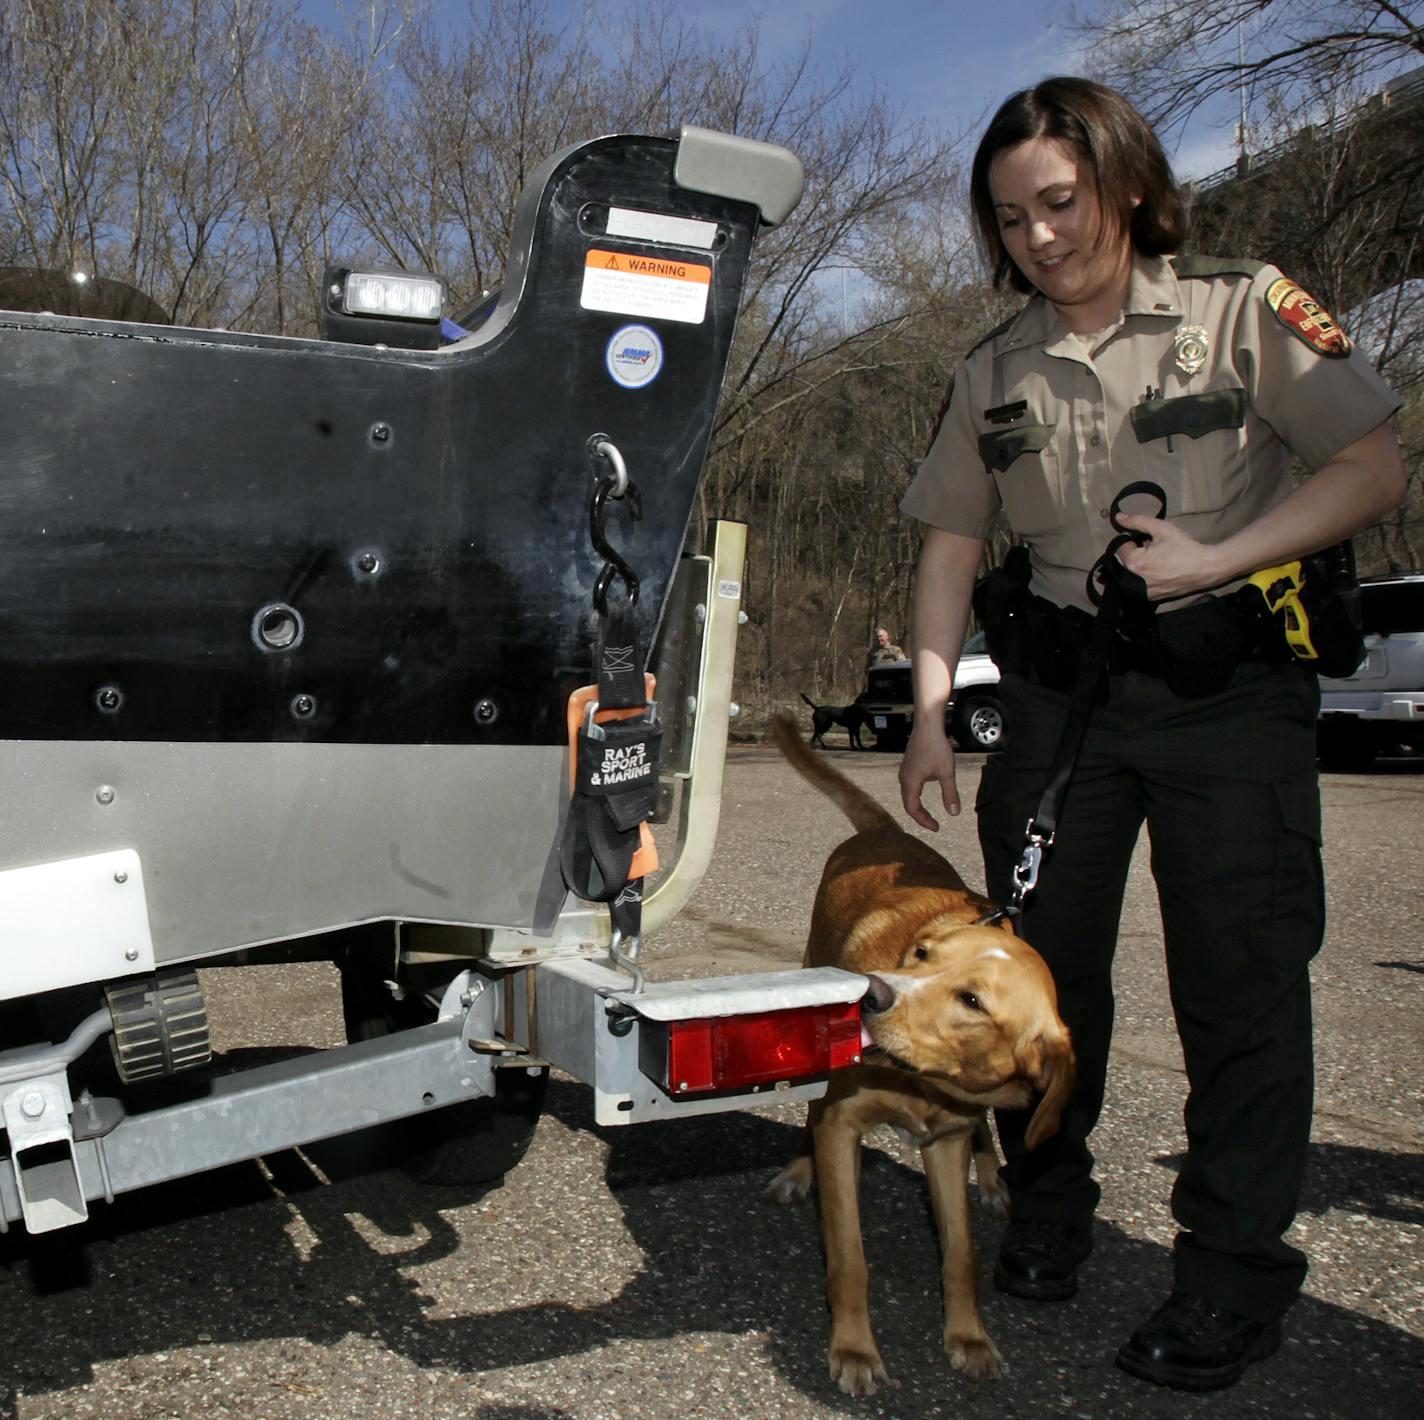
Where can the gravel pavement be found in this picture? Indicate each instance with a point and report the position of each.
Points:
(636, 1272)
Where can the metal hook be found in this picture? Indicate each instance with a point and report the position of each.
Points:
(602, 447)
(613, 561)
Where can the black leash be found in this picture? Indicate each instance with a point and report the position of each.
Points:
(1117, 585)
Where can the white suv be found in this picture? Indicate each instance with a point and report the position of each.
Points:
(1381, 707)
(975, 716)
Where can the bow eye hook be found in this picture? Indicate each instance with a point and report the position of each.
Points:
(613, 482)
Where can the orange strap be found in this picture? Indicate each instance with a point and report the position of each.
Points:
(645, 856)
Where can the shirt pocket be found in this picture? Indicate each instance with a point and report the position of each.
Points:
(1023, 462)
(1195, 446)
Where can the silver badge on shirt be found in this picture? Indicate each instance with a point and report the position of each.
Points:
(1190, 348)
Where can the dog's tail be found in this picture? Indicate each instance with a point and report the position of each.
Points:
(809, 701)
(853, 801)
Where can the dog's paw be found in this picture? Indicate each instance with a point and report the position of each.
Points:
(856, 1370)
(792, 1184)
(976, 1356)
(994, 1195)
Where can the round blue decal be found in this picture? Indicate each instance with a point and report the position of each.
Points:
(634, 356)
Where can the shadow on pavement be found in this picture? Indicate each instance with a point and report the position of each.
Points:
(715, 1259)
(1344, 1176)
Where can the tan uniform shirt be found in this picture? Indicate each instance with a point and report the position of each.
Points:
(1045, 426)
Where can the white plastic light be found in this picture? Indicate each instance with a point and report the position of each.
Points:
(408, 297)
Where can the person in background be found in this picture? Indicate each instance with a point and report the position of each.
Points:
(883, 650)
(1206, 377)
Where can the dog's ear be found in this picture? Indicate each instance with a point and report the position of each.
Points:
(1048, 1062)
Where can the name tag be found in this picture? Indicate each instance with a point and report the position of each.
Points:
(1007, 413)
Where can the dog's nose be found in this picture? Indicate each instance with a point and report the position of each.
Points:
(879, 996)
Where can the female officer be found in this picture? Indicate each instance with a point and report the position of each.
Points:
(1204, 377)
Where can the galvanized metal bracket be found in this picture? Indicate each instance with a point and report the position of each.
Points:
(589, 1024)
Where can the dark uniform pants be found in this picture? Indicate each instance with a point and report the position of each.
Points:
(1227, 787)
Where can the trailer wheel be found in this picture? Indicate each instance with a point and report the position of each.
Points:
(463, 1145)
(480, 1141)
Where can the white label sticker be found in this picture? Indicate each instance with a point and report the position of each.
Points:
(729, 589)
(660, 227)
(634, 356)
(645, 286)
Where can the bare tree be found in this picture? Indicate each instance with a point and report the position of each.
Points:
(1330, 182)
(1175, 58)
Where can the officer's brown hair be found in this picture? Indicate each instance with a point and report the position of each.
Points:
(1116, 144)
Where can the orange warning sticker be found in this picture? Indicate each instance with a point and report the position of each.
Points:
(626, 283)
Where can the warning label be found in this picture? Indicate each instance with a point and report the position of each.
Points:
(657, 286)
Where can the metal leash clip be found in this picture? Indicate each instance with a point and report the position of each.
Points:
(1026, 869)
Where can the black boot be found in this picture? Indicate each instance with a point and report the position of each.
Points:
(1039, 1259)
(1192, 1344)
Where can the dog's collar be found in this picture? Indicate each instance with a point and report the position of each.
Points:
(990, 919)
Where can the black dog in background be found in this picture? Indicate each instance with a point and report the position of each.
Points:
(824, 717)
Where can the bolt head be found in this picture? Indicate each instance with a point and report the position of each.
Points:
(121, 876)
(32, 1105)
(105, 793)
(131, 954)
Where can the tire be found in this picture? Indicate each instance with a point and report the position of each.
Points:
(479, 1141)
(979, 722)
(1343, 746)
(470, 1144)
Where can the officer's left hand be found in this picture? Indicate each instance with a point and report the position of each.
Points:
(1172, 563)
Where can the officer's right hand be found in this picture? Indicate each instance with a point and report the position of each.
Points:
(928, 757)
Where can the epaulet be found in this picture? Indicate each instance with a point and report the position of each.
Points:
(994, 334)
(1188, 267)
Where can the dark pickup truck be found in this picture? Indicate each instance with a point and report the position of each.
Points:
(974, 716)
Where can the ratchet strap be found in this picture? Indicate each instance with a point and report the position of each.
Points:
(615, 741)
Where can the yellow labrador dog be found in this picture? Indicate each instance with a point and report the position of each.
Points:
(958, 1018)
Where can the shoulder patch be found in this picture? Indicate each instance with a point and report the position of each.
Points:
(1196, 267)
(1307, 319)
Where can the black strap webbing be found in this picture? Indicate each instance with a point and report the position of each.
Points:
(1116, 583)
(1091, 669)
(615, 777)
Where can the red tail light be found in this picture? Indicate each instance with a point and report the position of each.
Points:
(743, 1052)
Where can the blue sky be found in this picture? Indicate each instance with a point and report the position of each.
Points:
(946, 61)
(949, 61)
